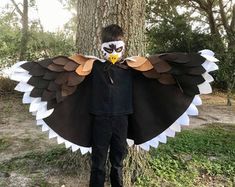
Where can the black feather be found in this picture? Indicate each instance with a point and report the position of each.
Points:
(28, 65)
(49, 75)
(45, 63)
(37, 70)
(36, 92)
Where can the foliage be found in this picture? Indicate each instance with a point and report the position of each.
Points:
(171, 27)
(9, 39)
(227, 70)
(220, 16)
(40, 44)
(176, 34)
(46, 44)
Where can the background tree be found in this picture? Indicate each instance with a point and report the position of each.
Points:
(170, 28)
(40, 44)
(182, 25)
(175, 34)
(220, 15)
(228, 21)
(25, 24)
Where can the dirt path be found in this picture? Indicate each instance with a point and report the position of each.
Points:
(213, 110)
(213, 114)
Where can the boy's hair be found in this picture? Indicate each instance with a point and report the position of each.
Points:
(111, 33)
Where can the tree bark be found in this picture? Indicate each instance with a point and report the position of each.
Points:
(24, 39)
(232, 25)
(207, 7)
(92, 15)
(212, 23)
(24, 30)
(230, 31)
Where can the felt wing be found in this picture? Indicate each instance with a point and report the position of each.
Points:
(166, 91)
(56, 89)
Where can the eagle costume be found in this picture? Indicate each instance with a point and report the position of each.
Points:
(165, 92)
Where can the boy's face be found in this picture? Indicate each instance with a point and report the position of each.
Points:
(113, 51)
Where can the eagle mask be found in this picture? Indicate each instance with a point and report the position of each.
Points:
(113, 51)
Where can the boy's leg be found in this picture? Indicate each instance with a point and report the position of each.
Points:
(101, 135)
(118, 149)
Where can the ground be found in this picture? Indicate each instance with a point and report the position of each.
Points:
(28, 157)
(214, 110)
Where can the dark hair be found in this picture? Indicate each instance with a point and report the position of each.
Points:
(111, 33)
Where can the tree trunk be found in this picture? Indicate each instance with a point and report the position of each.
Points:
(24, 38)
(92, 15)
(230, 31)
(231, 62)
(24, 31)
(207, 7)
(213, 27)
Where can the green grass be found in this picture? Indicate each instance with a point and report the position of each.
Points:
(40, 181)
(11, 106)
(56, 160)
(33, 160)
(4, 143)
(194, 157)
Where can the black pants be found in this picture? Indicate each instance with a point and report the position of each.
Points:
(108, 131)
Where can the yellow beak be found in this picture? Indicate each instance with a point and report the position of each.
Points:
(113, 58)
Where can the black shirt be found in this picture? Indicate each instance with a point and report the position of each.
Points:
(111, 89)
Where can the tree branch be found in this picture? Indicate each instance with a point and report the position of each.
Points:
(210, 2)
(232, 25)
(17, 7)
(201, 3)
(223, 16)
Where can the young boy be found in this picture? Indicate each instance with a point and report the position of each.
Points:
(111, 105)
(97, 105)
